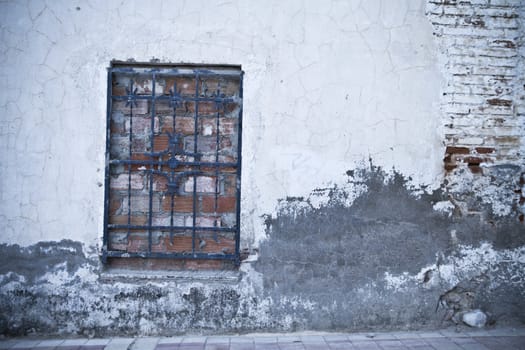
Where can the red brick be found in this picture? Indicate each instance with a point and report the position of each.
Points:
(181, 244)
(224, 204)
(485, 150)
(182, 204)
(221, 245)
(160, 183)
(114, 205)
(230, 185)
(182, 85)
(203, 264)
(457, 150)
(160, 143)
(123, 219)
(137, 243)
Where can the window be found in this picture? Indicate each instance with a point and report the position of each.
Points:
(173, 165)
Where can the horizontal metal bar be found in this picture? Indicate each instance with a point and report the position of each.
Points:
(179, 99)
(166, 163)
(171, 228)
(178, 72)
(193, 256)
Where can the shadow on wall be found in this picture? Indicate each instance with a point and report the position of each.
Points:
(385, 260)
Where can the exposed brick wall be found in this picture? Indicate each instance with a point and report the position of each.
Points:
(481, 45)
(182, 196)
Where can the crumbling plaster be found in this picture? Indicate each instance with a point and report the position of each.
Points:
(327, 85)
(343, 208)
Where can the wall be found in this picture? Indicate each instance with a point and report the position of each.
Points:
(382, 155)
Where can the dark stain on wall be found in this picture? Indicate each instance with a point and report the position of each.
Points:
(336, 257)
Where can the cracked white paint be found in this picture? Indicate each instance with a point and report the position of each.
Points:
(327, 85)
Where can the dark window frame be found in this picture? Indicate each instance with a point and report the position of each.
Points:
(172, 158)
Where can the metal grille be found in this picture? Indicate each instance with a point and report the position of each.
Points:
(173, 162)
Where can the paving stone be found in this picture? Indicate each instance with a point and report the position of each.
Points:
(191, 346)
(346, 345)
(514, 343)
(365, 345)
(265, 340)
(74, 342)
(167, 347)
(336, 337)
(443, 344)
(26, 344)
(119, 344)
(144, 344)
(217, 346)
(475, 346)
(97, 341)
(7, 344)
(288, 339)
(266, 346)
(291, 346)
(407, 335)
(170, 340)
(390, 344)
(51, 343)
(218, 340)
(193, 340)
(241, 340)
(414, 342)
(242, 346)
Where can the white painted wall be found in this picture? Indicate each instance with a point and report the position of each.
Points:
(328, 84)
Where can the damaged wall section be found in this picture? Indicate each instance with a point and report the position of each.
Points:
(431, 91)
(385, 260)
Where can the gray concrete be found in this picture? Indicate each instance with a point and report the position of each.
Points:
(466, 339)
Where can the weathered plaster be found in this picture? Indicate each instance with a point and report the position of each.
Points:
(326, 86)
(346, 211)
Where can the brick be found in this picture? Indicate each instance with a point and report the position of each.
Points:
(121, 182)
(161, 143)
(485, 150)
(204, 221)
(180, 244)
(221, 205)
(205, 184)
(140, 156)
(141, 107)
(203, 264)
(123, 219)
(219, 244)
(499, 102)
(457, 150)
(166, 220)
(181, 204)
(114, 204)
(140, 204)
(137, 243)
(182, 85)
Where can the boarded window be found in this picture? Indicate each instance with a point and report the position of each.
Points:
(173, 166)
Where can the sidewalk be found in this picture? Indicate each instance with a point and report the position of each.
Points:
(500, 339)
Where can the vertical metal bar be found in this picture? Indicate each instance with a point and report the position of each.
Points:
(217, 142)
(195, 149)
(131, 103)
(152, 124)
(105, 238)
(172, 170)
(238, 182)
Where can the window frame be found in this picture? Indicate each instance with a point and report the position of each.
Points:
(197, 71)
